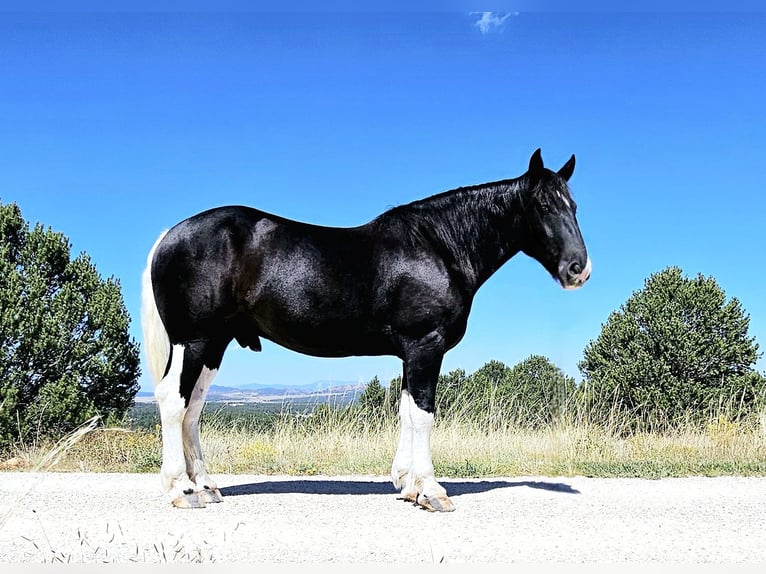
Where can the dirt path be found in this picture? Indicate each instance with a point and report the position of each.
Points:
(79, 517)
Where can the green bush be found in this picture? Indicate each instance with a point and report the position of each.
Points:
(530, 394)
(676, 348)
(539, 390)
(378, 404)
(65, 351)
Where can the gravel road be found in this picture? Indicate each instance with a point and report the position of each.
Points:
(83, 517)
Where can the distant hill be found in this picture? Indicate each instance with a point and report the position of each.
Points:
(320, 391)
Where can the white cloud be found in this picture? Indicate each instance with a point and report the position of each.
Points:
(490, 20)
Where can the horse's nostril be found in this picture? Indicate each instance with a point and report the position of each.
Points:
(574, 269)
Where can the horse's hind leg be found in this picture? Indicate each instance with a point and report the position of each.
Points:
(205, 487)
(180, 397)
(172, 405)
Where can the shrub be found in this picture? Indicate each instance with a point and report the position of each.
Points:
(65, 351)
(676, 347)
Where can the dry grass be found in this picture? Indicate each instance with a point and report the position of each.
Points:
(721, 449)
(295, 447)
(298, 445)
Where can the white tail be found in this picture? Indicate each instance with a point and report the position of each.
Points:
(156, 341)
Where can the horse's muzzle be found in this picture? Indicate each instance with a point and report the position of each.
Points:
(574, 275)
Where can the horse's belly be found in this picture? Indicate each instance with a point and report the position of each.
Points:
(331, 341)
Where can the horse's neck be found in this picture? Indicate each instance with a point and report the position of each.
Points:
(477, 226)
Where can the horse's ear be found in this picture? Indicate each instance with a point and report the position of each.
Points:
(536, 162)
(567, 169)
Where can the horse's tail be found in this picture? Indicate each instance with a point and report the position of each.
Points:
(156, 341)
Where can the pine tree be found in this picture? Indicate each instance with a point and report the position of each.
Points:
(65, 351)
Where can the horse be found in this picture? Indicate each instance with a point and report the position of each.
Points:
(400, 285)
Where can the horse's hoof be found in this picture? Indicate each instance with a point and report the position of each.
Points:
(192, 500)
(438, 503)
(410, 497)
(210, 495)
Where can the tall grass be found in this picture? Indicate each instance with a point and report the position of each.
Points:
(340, 441)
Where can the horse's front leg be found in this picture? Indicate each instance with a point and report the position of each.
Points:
(412, 470)
(402, 464)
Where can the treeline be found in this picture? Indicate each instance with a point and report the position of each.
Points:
(533, 393)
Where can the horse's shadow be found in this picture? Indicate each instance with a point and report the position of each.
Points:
(366, 487)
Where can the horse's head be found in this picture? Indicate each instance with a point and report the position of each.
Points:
(552, 233)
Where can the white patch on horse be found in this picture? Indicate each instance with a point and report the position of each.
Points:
(195, 465)
(422, 423)
(400, 469)
(413, 469)
(173, 474)
(563, 198)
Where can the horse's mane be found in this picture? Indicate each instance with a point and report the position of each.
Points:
(451, 213)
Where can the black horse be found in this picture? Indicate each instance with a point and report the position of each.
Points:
(401, 285)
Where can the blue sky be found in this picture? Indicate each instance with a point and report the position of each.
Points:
(114, 127)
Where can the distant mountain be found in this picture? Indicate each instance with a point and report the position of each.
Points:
(305, 388)
(320, 391)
